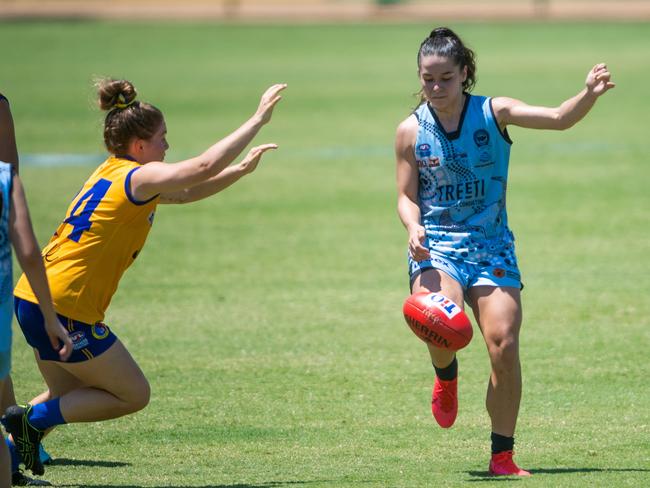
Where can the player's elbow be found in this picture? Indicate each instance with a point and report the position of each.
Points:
(209, 164)
(201, 170)
(563, 121)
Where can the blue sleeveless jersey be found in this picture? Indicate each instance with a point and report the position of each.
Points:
(462, 183)
(6, 276)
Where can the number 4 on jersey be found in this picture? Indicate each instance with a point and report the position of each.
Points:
(92, 197)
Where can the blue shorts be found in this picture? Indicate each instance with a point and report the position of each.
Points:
(497, 273)
(88, 340)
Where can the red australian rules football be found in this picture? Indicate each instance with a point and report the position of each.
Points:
(437, 320)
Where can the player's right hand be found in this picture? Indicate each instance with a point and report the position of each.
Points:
(268, 101)
(57, 333)
(599, 80)
(417, 237)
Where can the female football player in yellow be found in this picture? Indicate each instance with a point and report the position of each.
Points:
(452, 167)
(16, 229)
(104, 229)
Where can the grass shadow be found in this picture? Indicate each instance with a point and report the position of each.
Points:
(268, 484)
(485, 476)
(586, 470)
(88, 462)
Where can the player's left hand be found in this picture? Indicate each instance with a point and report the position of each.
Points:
(598, 80)
(249, 163)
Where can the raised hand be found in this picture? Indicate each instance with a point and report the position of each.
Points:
(249, 163)
(267, 103)
(598, 80)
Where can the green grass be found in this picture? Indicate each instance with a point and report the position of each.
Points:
(268, 318)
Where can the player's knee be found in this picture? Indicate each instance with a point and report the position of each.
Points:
(138, 396)
(504, 352)
(143, 397)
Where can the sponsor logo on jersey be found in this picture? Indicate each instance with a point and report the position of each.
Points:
(484, 156)
(449, 308)
(423, 150)
(481, 137)
(468, 190)
(78, 339)
(432, 162)
(99, 331)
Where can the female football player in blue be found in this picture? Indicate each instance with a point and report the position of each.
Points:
(104, 229)
(16, 229)
(452, 166)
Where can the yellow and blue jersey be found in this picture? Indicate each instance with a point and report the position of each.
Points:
(103, 232)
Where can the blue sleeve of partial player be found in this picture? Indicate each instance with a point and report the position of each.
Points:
(2, 97)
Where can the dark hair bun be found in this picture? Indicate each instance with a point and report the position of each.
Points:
(442, 32)
(115, 93)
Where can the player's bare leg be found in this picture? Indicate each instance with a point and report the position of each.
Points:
(498, 313)
(105, 387)
(444, 398)
(110, 386)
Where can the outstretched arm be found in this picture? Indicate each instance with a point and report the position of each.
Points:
(158, 178)
(509, 111)
(31, 261)
(8, 150)
(407, 188)
(221, 181)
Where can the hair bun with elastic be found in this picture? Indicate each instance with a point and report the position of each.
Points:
(115, 93)
(122, 103)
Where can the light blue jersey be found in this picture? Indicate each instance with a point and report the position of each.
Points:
(6, 276)
(462, 190)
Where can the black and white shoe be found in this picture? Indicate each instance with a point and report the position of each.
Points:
(26, 437)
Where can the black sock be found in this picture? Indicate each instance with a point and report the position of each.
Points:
(502, 443)
(449, 373)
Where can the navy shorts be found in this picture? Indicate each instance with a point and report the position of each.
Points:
(88, 340)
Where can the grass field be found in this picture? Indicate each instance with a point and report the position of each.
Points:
(268, 319)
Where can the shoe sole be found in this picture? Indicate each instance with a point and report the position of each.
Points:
(510, 474)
